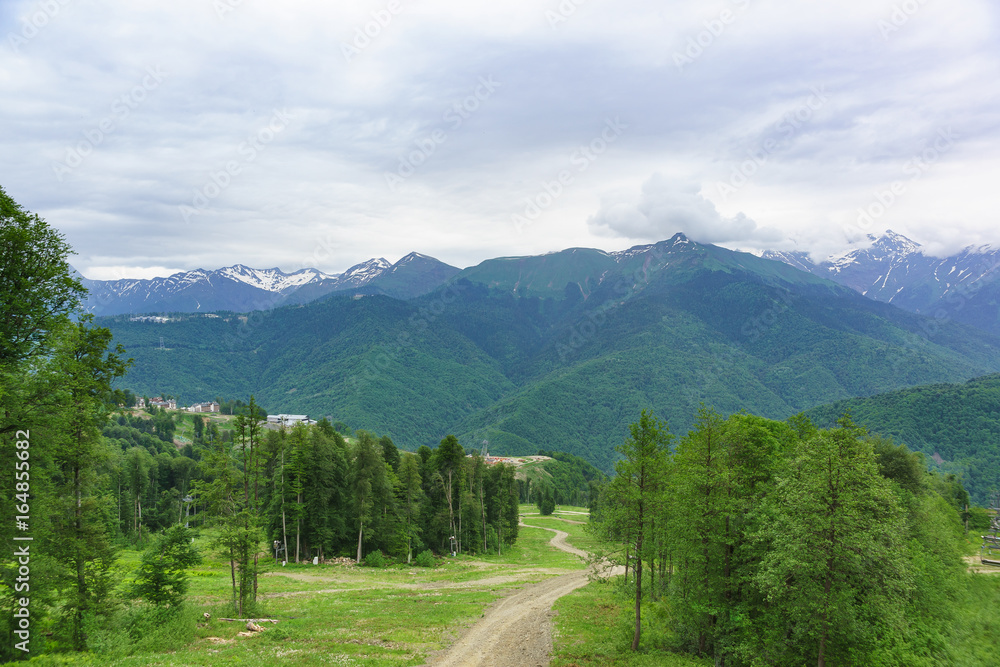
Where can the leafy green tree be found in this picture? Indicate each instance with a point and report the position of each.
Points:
(367, 482)
(162, 574)
(449, 456)
(546, 501)
(389, 452)
(410, 495)
(835, 572)
(637, 489)
(231, 494)
(137, 465)
(83, 369)
(248, 531)
(37, 288)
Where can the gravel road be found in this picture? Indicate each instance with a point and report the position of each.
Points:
(517, 632)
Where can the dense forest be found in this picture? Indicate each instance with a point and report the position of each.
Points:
(957, 426)
(758, 542)
(319, 492)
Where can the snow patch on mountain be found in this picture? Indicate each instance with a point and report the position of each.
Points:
(271, 280)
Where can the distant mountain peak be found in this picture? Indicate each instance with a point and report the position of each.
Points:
(895, 244)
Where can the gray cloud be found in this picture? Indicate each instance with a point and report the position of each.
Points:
(321, 181)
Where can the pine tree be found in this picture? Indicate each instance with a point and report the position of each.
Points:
(835, 574)
(636, 491)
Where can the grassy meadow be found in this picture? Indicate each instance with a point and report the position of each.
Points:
(329, 614)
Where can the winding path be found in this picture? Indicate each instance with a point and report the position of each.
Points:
(517, 631)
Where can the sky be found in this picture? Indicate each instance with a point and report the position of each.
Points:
(168, 136)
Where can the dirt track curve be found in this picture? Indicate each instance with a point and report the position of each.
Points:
(518, 630)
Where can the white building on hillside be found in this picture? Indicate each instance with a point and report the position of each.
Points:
(289, 420)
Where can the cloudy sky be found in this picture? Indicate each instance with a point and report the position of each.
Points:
(161, 136)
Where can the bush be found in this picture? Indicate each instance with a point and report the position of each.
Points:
(979, 520)
(162, 575)
(424, 559)
(142, 628)
(375, 559)
(546, 502)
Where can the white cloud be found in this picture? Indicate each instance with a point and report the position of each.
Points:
(665, 207)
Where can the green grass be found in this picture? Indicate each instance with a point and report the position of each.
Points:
(593, 628)
(328, 614)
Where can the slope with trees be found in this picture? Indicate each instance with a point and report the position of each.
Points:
(684, 324)
(956, 426)
(765, 542)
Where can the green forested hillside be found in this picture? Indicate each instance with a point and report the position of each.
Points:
(543, 275)
(955, 425)
(759, 542)
(683, 325)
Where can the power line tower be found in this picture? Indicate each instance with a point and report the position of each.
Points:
(161, 343)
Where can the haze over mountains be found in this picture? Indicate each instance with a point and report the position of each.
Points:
(560, 351)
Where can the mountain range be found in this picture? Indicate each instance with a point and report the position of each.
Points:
(894, 269)
(891, 268)
(561, 351)
(241, 288)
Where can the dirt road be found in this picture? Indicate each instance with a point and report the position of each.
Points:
(518, 630)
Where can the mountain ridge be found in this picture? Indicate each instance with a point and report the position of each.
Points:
(894, 269)
(675, 325)
(242, 288)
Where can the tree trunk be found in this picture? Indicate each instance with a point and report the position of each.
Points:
(284, 528)
(232, 571)
(482, 506)
(451, 508)
(284, 533)
(638, 592)
(360, 529)
(79, 638)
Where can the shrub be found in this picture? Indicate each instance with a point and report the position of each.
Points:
(162, 575)
(375, 559)
(424, 559)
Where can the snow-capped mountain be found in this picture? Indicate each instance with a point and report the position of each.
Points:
(241, 288)
(272, 280)
(895, 269)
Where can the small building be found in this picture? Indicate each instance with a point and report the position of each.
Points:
(167, 404)
(140, 402)
(210, 406)
(288, 420)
